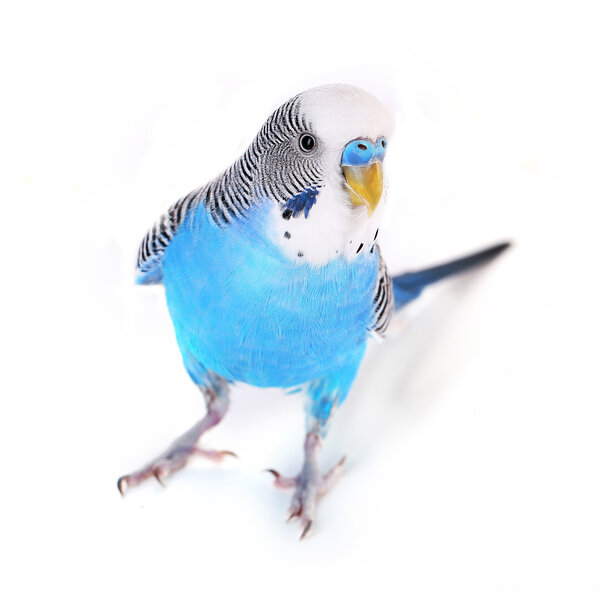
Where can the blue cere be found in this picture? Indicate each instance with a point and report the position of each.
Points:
(358, 153)
(380, 148)
(362, 152)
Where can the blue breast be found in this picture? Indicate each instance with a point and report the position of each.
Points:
(250, 314)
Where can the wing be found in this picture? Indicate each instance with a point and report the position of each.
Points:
(383, 298)
(156, 241)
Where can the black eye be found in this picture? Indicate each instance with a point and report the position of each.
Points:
(383, 143)
(307, 142)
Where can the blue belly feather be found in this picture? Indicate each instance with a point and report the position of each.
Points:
(245, 311)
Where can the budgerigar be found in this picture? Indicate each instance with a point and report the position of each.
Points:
(273, 274)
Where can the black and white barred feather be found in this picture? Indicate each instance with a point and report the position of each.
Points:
(155, 242)
(383, 299)
(270, 168)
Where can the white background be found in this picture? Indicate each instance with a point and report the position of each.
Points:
(472, 435)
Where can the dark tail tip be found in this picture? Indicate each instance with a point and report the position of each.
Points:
(472, 260)
(494, 251)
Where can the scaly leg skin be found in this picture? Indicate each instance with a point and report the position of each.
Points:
(309, 485)
(177, 455)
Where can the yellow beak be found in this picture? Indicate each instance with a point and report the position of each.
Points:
(365, 185)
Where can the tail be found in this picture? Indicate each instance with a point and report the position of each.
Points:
(409, 286)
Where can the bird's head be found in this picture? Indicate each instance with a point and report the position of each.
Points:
(321, 159)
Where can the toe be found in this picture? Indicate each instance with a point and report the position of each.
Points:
(282, 481)
(214, 455)
(331, 477)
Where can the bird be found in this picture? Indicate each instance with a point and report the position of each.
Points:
(274, 276)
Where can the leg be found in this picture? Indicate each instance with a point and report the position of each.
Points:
(310, 485)
(324, 394)
(177, 455)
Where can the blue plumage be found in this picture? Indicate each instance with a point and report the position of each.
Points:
(249, 314)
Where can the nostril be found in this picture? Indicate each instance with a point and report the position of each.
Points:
(362, 147)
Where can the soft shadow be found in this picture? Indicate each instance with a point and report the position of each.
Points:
(401, 380)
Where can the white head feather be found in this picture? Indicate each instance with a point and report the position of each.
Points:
(338, 114)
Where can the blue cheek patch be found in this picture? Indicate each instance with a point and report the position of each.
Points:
(301, 203)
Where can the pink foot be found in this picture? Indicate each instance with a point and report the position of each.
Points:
(309, 485)
(181, 450)
(167, 463)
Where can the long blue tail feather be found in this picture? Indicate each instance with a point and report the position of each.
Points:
(409, 286)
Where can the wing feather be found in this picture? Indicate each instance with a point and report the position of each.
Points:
(156, 241)
(383, 298)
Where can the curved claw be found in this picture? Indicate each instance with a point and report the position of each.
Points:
(306, 529)
(274, 472)
(230, 453)
(294, 512)
(158, 475)
(122, 484)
